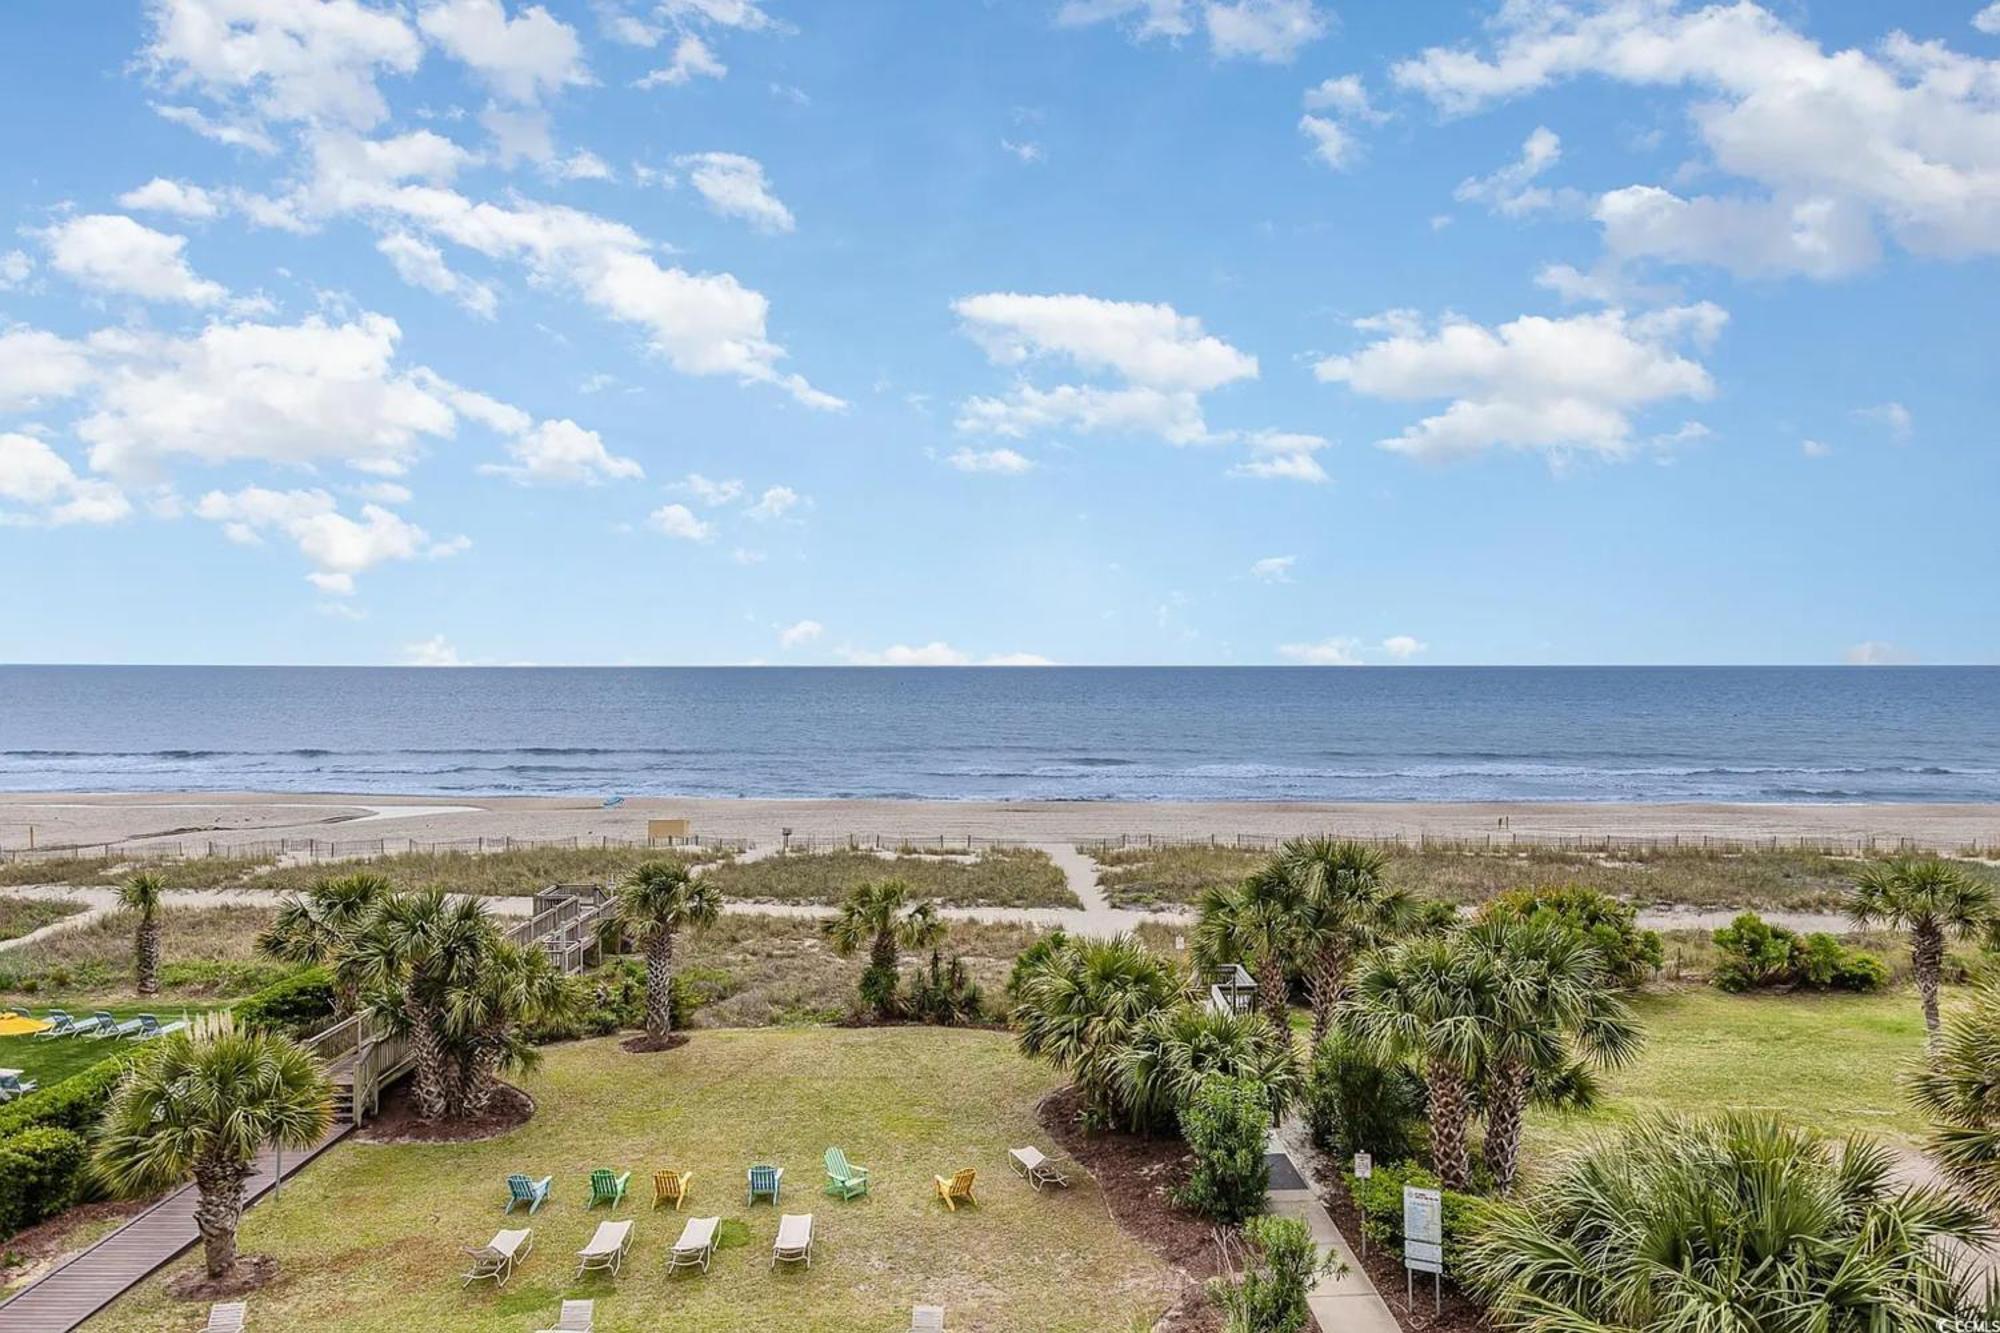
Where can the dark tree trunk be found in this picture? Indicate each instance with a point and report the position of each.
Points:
(1274, 990)
(217, 1210)
(660, 983)
(146, 954)
(1927, 961)
(1506, 1109)
(1450, 1108)
(434, 1075)
(1328, 980)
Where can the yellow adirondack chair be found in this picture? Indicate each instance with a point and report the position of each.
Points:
(956, 1190)
(671, 1186)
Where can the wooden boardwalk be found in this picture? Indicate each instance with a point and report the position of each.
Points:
(63, 1298)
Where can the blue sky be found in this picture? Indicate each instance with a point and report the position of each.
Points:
(721, 331)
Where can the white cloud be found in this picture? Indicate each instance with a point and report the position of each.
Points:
(523, 59)
(235, 133)
(1025, 150)
(1894, 416)
(1831, 147)
(1554, 385)
(160, 195)
(1273, 568)
(520, 134)
(558, 453)
(1403, 647)
(775, 502)
(1344, 95)
(1277, 455)
(582, 165)
(1987, 20)
(289, 60)
(1815, 449)
(431, 652)
(37, 367)
(934, 654)
(711, 492)
(1331, 143)
(1333, 106)
(15, 266)
(422, 264)
(1150, 344)
(110, 253)
(678, 521)
(1511, 191)
(799, 634)
(1327, 652)
(1017, 660)
(338, 547)
(1875, 652)
(747, 15)
(1000, 462)
(1026, 410)
(735, 187)
(692, 59)
(36, 476)
(1268, 30)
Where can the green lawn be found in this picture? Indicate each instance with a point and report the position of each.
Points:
(368, 1236)
(54, 1059)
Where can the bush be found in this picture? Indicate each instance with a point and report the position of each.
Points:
(76, 1103)
(1757, 955)
(1379, 1200)
(1031, 958)
(296, 1006)
(1357, 1102)
(1271, 1298)
(1225, 1124)
(612, 998)
(1606, 924)
(943, 994)
(42, 1172)
(878, 990)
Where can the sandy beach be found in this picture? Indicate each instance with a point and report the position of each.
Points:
(243, 817)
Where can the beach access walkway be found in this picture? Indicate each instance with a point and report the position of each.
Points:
(1344, 1300)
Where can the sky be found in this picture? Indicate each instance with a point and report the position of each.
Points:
(1018, 331)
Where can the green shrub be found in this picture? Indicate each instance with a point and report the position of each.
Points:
(1032, 957)
(1757, 955)
(297, 1005)
(76, 1103)
(879, 982)
(943, 994)
(1225, 1125)
(1605, 923)
(1379, 1200)
(612, 998)
(42, 1172)
(1357, 1102)
(1271, 1297)
(220, 978)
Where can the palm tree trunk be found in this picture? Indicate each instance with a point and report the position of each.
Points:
(478, 1077)
(1927, 961)
(1506, 1108)
(146, 953)
(1274, 990)
(217, 1210)
(885, 962)
(433, 1059)
(1329, 978)
(1450, 1108)
(660, 983)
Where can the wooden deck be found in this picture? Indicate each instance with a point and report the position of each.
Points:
(63, 1298)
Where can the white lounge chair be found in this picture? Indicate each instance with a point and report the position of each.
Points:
(577, 1317)
(696, 1245)
(927, 1319)
(1036, 1169)
(12, 1085)
(225, 1318)
(98, 1024)
(606, 1249)
(795, 1240)
(60, 1025)
(497, 1258)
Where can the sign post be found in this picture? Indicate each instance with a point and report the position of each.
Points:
(1364, 1167)
(1423, 1243)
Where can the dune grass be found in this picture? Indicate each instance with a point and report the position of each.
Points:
(25, 916)
(520, 872)
(996, 877)
(194, 872)
(367, 1238)
(205, 952)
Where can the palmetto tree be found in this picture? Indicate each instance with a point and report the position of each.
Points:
(204, 1109)
(1932, 900)
(416, 953)
(1254, 923)
(1558, 1008)
(141, 896)
(1344, 909)
(1080, 1006)
(1960, 1094)
(1731, 1224)
(881, 918)
(320, 926)
(1173, 1050)
(1435, 1000)
(485, 1022)
(655, 903)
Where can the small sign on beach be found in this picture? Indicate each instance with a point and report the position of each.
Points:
(1423, 1241)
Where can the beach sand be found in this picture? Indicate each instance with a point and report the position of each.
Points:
(226, 818)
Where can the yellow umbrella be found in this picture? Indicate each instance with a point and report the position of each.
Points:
(20, 1025)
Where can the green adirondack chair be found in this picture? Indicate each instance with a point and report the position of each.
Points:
(844, 1180)
(607, 1188)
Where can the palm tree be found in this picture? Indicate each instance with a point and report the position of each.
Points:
(1559, 1009)
(1345, 909)
(320, 926)
(1080, 1006)
(141, 894)
(205, 1109)
(882, 917)
(657, 901)
(1932, 900)
(1738, 1222)
(1174, 1049)
(1252, 923)
(1434, 1000)
(1960, 1094)
(486, 1022)
(417, 951)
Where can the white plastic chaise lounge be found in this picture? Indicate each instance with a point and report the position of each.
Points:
(696, 1245)
(497, 1258)
(576, 1317)
(60, 1025)
(1036, 1169)
(927, 1319)
(225, 1318)
(795, 1240)
(606, 1249)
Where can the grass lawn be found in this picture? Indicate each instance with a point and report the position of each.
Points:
(24, 916)
(50, 1061)
(205, 953)
(368, 1236)
(997, 877)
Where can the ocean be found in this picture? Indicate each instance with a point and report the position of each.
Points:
(1650, 734)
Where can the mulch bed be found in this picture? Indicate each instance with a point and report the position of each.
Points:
(1385, 1270)
(646, 1043)
(252, 1272)
(398, 1123)
(1135, 1175)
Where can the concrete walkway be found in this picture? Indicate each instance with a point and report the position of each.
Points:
(1345, 1300)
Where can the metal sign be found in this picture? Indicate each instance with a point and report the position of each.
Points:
(1423, 1239)
(1364, 1166)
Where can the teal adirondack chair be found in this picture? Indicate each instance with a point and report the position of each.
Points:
(844, 1180)
(765, 1180)
(607, 1188)
(533, 1193)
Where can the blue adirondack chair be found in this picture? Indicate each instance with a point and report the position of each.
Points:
(534, 1193)
(764, 1180)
